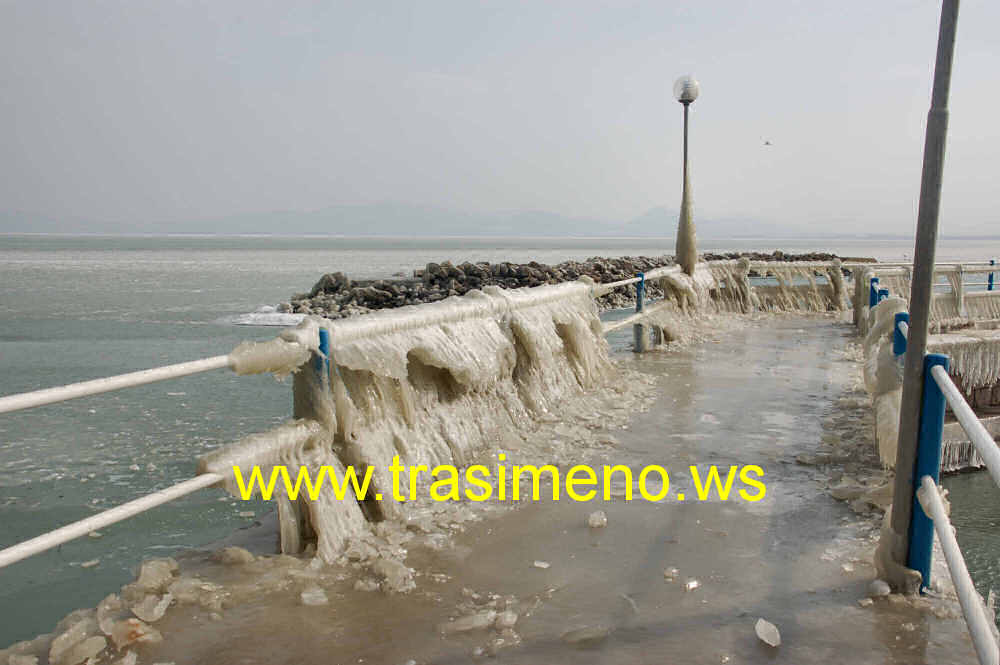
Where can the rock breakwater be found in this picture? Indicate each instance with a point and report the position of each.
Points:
(337, 296)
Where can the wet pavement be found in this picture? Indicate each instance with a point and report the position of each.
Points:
(760, 394)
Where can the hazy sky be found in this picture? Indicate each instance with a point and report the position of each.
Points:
(176, 110)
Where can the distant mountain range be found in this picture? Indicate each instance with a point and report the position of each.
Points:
(392, 219)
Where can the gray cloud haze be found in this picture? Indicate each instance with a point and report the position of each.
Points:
(143, 113)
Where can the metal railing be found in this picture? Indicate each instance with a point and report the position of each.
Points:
(929, 515)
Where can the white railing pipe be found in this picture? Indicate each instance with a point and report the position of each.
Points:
(47, 541)
(977, 433)
(110, 383)
(980, 628)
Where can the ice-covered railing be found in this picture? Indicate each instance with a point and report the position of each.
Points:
(932, 517)
(280, 356)
(429, 377)
(956, 297)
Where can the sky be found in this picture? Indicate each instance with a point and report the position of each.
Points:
(149, 111)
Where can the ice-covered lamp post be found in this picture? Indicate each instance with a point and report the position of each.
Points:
(686, 91)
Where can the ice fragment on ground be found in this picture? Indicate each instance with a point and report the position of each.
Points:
(879, 589)
(232, 556)
(396, 577)
(541, 564)
(152, 608)
(597, 519)
(865, 602)
(314, 596)
(73, 635)
(95, 534)
(588, 636)
(847, 567)
(131, 631)
(17, 659)
(156, 574)
(506, 619)
(767, 632)
(478, 621)
(366, 584)
(691, 584)
(107, 612)
(90, 564)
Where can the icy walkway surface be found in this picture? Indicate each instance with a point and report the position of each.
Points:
(761, 394)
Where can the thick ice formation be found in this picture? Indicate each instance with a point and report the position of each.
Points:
(974, 356)
(798, 288)
(433, 384)
(883, 377)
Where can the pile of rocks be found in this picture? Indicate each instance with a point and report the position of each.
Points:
(336, 296)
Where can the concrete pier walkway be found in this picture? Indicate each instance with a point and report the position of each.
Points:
(761, 393)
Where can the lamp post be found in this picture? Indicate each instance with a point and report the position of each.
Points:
(686, 91)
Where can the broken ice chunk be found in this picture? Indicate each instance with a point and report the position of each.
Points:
(132, 630)
(152, 608)
(541, 564)
(767, 632)
(232, 556)
(156, 574)
(506, 619)
(597, 519)
(478, 621)
(314, 596)
(691, 584)
(879, 589)
(586, 637)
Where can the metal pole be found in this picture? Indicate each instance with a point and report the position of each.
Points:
(928, 464)
(686, 246)
(685, 193)
(920, 285)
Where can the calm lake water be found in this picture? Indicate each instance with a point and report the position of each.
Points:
(77, 308)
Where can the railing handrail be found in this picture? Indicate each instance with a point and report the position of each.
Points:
(976, 621)
(70, 391)
(80, 528)
(977, 433)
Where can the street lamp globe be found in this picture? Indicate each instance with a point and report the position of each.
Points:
(686, 89)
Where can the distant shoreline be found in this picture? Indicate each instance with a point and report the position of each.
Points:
(483, 237)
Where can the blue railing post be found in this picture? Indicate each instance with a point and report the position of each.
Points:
(640, 291)
(928, 464)
(873, 292)
(321, 361)
(989, 280)
(882, 295)
(898, 341)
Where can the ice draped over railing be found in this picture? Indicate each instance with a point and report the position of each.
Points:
(440, 383)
